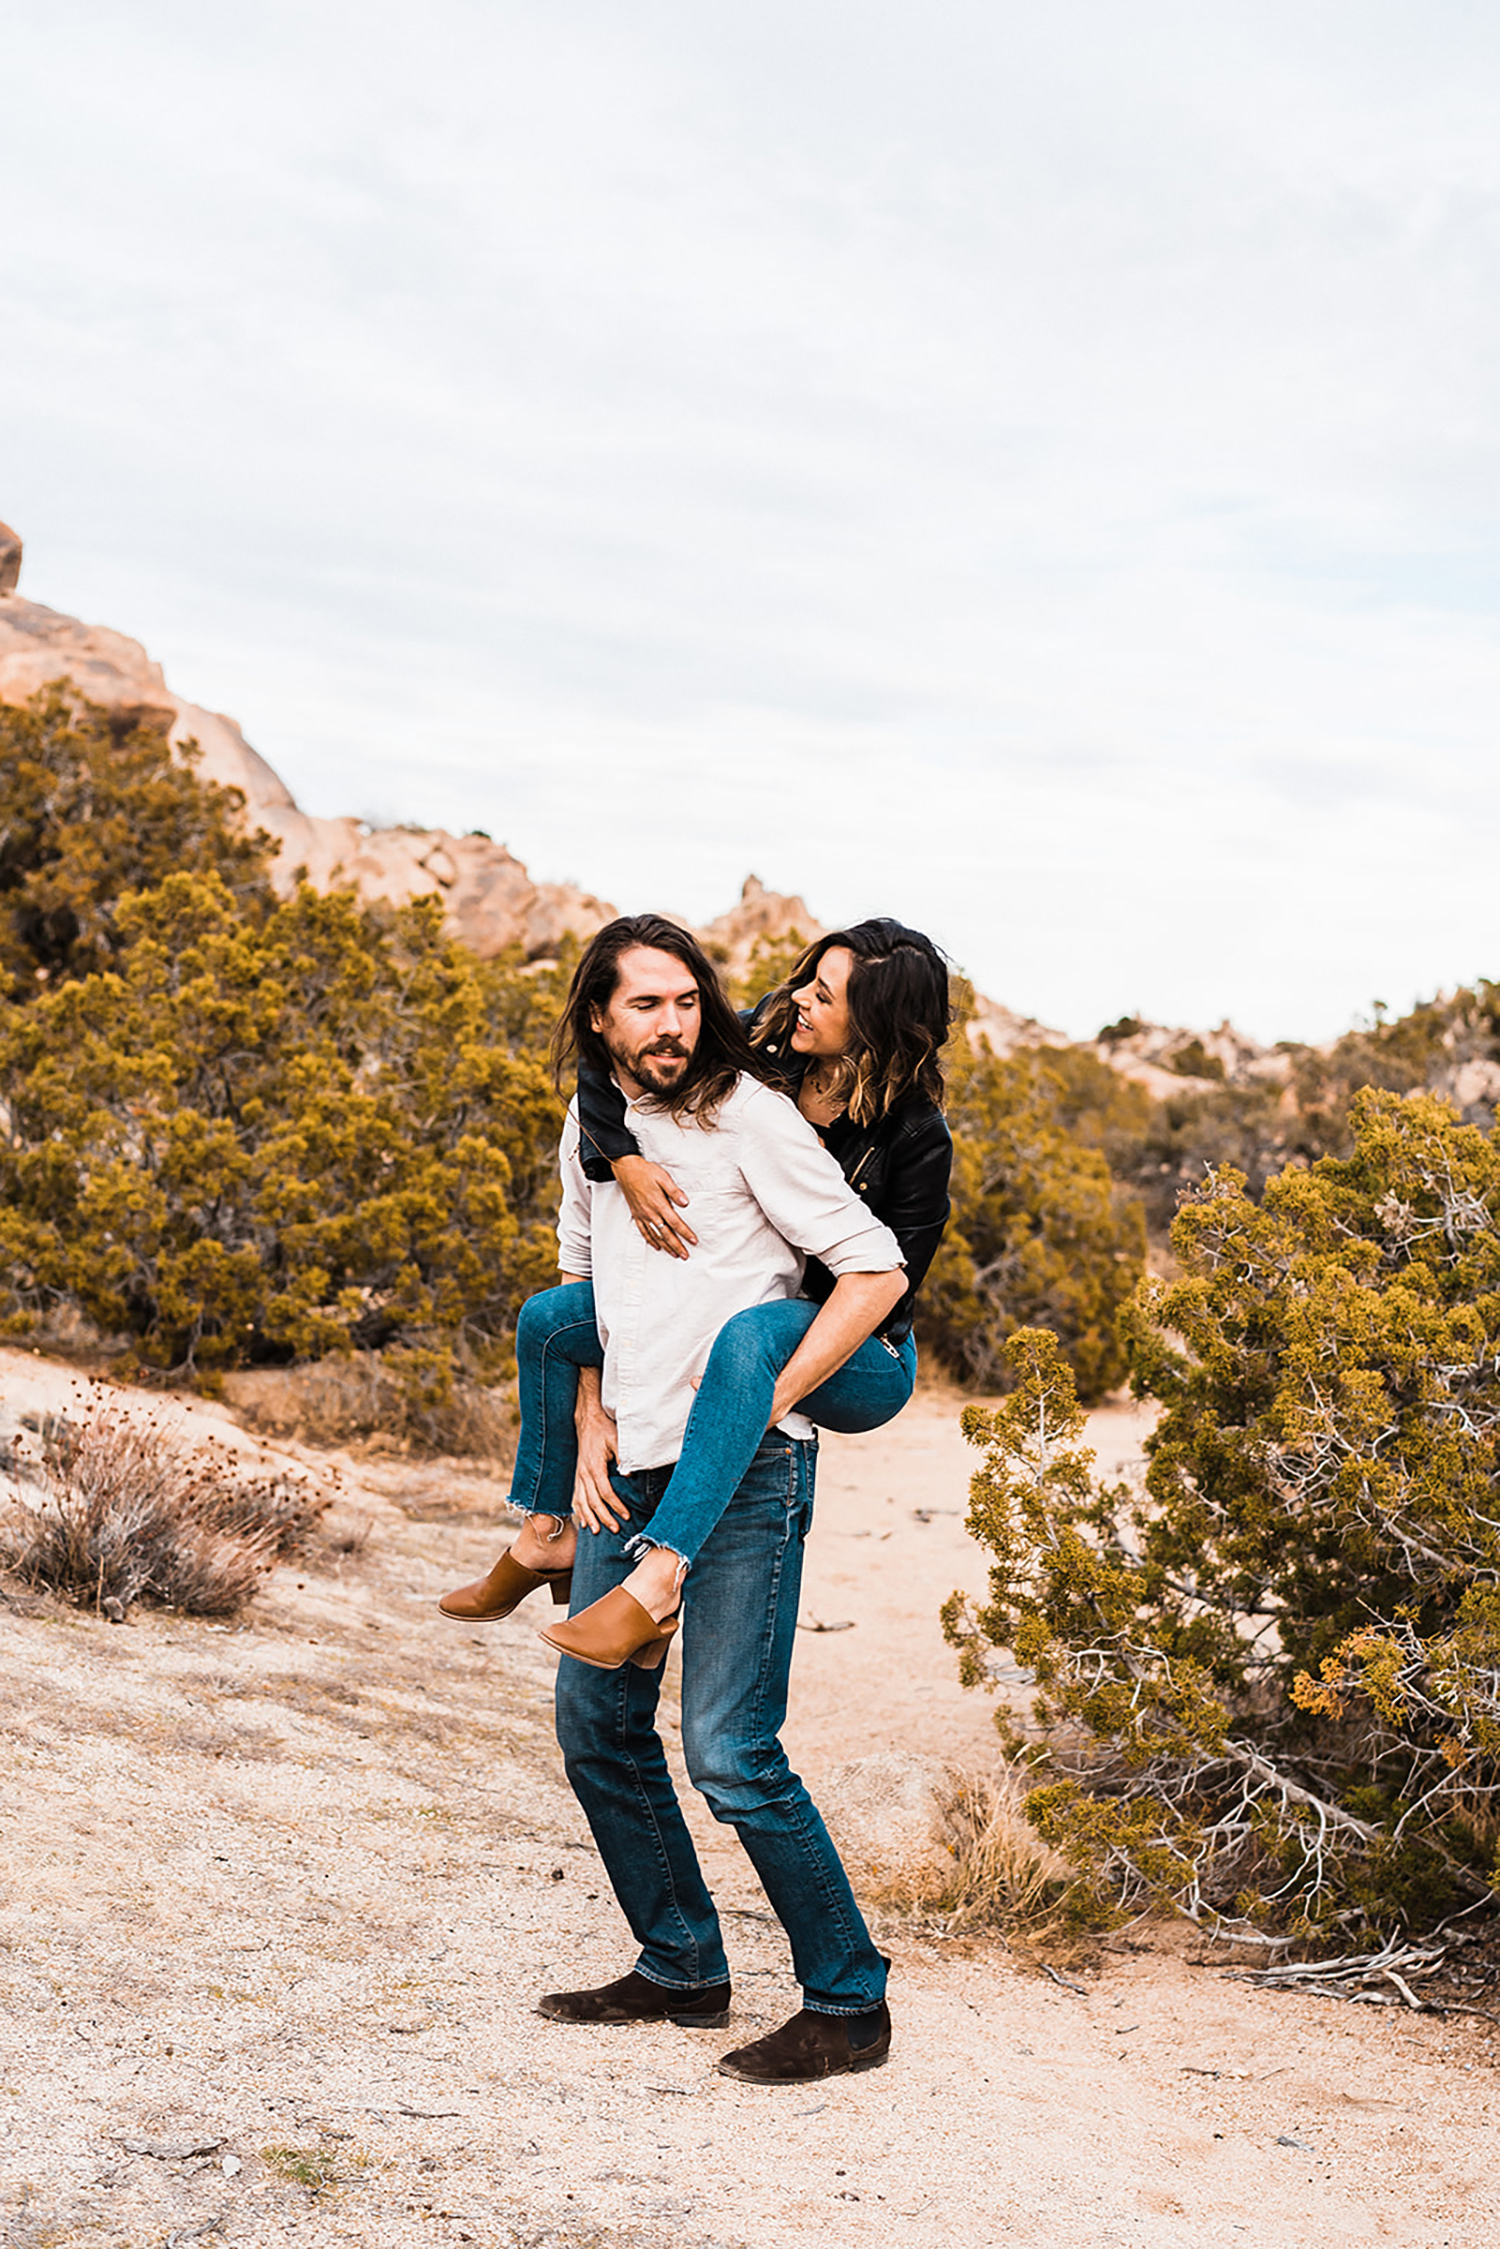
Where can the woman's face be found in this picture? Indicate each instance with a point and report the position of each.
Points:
(822, 1005)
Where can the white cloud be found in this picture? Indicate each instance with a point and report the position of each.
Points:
(1034, 470)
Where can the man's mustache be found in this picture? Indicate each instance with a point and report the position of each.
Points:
(667, 1046)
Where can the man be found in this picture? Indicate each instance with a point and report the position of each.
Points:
(647, 1004)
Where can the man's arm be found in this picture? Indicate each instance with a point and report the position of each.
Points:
(598, 1443)
(595, 1502)
(575, 1220)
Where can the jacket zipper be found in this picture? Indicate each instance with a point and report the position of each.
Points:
(866, 1158)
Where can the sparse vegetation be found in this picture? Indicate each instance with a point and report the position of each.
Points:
(999, 1873)
(263, 1139)
(315, 2168)
(1270, 1681)
(1040, 1234)
(110, 1509)
(93, 809)
(354, 1394)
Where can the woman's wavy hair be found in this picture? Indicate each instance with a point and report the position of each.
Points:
(723, 1053)
(900, 1014)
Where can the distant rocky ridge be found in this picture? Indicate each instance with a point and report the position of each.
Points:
(489, 898)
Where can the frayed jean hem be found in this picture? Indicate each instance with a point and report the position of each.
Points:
(643, 1544)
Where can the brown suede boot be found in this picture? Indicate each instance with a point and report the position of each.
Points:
(636, 1999)
(814, 2046)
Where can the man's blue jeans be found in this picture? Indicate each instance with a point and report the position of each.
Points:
(556, 1335)
(736, 1640)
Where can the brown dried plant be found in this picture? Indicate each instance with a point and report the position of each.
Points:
(995, 1872)
(111, 1508)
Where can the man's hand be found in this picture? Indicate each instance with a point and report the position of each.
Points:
(655, 1200)
(595, 1502)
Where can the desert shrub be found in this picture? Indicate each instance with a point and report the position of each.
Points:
(1401, 1054)
(1194, 1061)
(1041, 1235)
(114, 1509)
(1188, 1135)
(354, 1394)
(1272, 1681)
(270, 1137)
(92, 808)
(771, 962)
(1259, 1127)
(1095, 1105)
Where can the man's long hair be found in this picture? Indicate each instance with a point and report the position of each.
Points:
(723, 1053)
(900, 1015)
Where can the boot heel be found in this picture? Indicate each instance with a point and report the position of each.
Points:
(562, 1588)
(611, 1631)
(653, 1654)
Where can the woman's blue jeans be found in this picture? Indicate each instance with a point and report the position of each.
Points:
(736, 1641)
(556, 1335)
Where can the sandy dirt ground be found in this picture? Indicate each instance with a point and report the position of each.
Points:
(278, 1898)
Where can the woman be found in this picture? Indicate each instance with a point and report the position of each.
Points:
(855, 1034)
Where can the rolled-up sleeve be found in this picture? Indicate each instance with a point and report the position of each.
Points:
(805, 1195)
(575, 1238)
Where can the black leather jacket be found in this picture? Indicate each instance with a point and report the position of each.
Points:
(900, 1167)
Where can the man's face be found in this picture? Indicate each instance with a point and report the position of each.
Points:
(650, 1026)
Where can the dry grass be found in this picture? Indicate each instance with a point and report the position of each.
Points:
(996, 1873)
(357, 1395)
(110, 1509)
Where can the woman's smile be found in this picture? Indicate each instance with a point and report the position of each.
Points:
(822, 1006)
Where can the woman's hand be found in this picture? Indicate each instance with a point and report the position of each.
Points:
(655, 1200)
(595, 1502)
(848, 1318)
(784, 1400)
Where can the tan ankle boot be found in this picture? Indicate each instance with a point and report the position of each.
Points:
(613, 1631)
(490, 1598)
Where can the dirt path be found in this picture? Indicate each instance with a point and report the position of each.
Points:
(290, 1888)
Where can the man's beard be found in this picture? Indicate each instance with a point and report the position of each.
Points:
(660, 1066)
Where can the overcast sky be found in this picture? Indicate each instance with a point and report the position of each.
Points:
(1032, 469)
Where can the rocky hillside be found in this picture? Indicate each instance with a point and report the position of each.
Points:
(489, 896)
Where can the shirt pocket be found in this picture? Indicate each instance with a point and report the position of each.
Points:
(699, 1177)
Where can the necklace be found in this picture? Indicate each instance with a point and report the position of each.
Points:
(821, 1080)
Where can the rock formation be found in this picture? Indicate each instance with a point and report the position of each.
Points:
(1168, 1060)
(10, 559)
(762, 916)
(489, 898)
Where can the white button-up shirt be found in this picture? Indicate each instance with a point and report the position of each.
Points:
(763, 1195)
